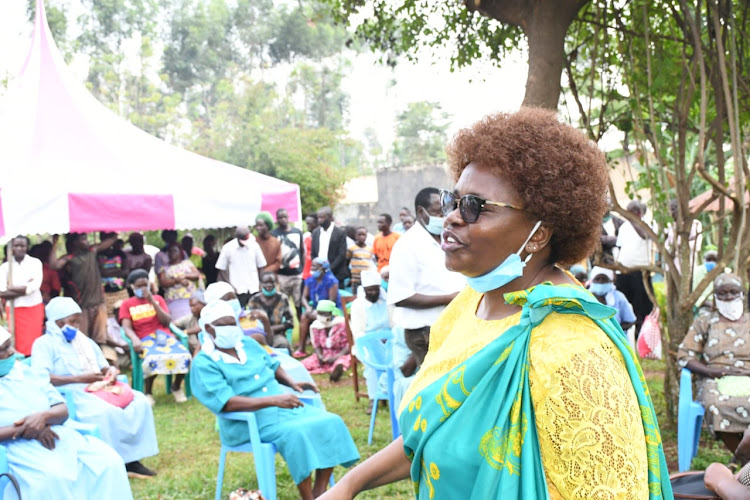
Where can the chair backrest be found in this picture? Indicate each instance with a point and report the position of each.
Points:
(347, 319)
(375, 349)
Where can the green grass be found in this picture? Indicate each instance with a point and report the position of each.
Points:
(188, 459)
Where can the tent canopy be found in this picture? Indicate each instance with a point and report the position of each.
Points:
(69, 164)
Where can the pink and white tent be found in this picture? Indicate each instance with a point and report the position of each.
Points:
(69, 164)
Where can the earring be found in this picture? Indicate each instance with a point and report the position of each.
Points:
(532, 247)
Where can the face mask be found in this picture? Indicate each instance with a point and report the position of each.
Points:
(709, 266)
(317, 274)
(384, 285)
(510, 269)
(434, 224)
(228, 336)
(138, 292)
(269, 293)
(607, 218)
(6, 365)
(325, 321)
(731, 309)
(236, 307)
(69, 332)
(600, 289)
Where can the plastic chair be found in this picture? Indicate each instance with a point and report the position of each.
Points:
(378, 355)
(137, 366)
(263, 453)
(689, 420)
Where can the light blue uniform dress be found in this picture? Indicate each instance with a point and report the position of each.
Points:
(79, 467)
(308, 438)
(130, 430)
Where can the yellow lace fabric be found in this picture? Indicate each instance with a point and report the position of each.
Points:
(586, 411)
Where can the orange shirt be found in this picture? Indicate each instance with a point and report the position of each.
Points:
(382, 248)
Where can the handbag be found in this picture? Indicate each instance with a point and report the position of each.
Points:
(115, 393)
(13, 481)
(691, 485)
(649, 340)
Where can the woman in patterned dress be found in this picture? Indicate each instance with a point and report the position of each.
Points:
(717, 350)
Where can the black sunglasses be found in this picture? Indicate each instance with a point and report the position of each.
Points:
(469, 205)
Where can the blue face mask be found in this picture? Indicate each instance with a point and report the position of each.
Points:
(510, 269)
(138, 292)
(601, 289)
(384, 285)
(69, 332)
(228, 336)
(317, 274)
(6, 365)
(269, 293)
(236, 307)
(709, 266)
(435, 225)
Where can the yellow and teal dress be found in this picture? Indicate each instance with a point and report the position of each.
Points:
(547, 403)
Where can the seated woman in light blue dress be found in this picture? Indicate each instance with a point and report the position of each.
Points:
(48, 459)
(73, 360)
(232, 372)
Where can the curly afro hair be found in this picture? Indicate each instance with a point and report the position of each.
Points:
(560, 175)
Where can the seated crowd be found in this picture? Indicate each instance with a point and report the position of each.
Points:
(240, 309)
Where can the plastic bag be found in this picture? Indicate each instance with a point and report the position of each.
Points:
(649, 340)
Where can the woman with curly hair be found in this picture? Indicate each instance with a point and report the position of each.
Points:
(529, 389)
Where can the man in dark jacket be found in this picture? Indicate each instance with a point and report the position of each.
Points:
(329, 242)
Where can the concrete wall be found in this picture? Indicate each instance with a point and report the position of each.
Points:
(397, 187)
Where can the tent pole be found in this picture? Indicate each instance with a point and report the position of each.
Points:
(12, 305)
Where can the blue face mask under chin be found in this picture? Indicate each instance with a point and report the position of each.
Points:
(6, 365)
(601, 289)
(709, 266)
(228, 336)
(510, 269)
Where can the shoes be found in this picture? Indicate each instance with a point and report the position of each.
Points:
(138, 470)
(338, 370)
(368, 411)
(179, 396)
(151, 400)
(299, 354)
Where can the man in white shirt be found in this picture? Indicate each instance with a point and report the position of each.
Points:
(420, 286)
(19, 285)
(635, 250)
(240, 262)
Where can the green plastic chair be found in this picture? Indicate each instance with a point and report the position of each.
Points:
(137, 367)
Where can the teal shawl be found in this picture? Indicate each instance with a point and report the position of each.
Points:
(489, 398)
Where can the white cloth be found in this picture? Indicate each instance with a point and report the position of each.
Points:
(360, 309)
(242, 263)
(634, 250)
(26, 273)
(369, 277)
(325, 241)
(417, 266)
(596, 271)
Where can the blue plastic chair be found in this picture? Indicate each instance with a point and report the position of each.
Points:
(689, 420)
(263, 453)
(376, 354)
(137, 365)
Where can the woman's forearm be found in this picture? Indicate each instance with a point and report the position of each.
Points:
(58, 380)
(243, 403)
(386, 466)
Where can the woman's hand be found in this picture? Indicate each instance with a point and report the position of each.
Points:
(716, 474)
(288, 401)
(47, 438)
(31, 426)
(302, 386)
(88, 378)
(112, 373)
(137, 345)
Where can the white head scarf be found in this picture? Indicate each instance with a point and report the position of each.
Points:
(215, 291)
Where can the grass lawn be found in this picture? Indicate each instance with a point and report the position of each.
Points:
(189, 448)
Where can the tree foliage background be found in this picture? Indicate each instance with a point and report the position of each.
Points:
(204, 74)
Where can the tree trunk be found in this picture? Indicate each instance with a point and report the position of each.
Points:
(546, 37)
(544, 22)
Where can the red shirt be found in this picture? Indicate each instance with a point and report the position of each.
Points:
(143, 315)
(308, 253)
